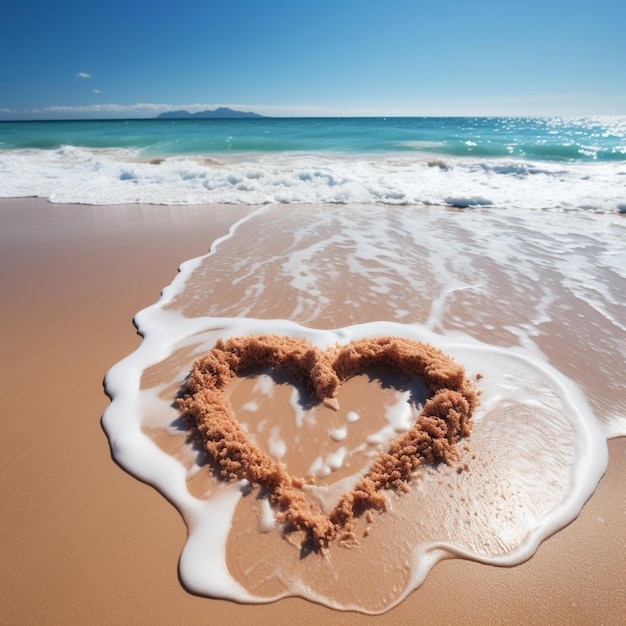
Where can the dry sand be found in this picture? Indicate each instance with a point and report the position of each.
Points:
(83, 542)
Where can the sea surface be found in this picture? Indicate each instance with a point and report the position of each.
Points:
(500, 241)
(536, 163)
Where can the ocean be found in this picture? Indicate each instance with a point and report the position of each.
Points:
(533, 163)
(499, 241)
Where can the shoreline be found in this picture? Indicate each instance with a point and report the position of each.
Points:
(84, 541)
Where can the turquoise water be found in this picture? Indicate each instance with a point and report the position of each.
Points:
(543, 139)
(533, 163)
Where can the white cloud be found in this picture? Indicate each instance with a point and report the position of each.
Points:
(83, 75)
(96, 91)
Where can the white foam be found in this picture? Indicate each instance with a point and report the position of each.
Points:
(536, 439)
(116, 176)
(338, 434)
(275, 444)
(335, 460)
(265, 385)
(399, 415)
(209, 519)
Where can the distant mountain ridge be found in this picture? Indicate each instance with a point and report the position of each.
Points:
(219, 113)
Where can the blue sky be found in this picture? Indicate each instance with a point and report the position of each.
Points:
(71, 58)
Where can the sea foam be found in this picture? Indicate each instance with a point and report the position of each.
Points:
(537, 442)
(121, 176)
(538, 447)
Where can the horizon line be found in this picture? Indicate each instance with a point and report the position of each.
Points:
(561, 105)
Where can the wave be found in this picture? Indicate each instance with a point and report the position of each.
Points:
(120, 176)
(545, 139)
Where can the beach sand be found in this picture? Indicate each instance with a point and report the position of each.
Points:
(84, 542)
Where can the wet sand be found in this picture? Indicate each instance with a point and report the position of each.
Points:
(84, 542)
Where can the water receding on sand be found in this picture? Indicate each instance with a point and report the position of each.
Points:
(529, 303)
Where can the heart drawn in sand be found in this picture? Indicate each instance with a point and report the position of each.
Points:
(443, 421)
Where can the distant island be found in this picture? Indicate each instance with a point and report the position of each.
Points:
(219, 113)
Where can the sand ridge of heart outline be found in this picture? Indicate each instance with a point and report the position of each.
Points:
(445, 419)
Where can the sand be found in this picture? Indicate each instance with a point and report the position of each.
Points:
(83, 542)
(444, 420)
